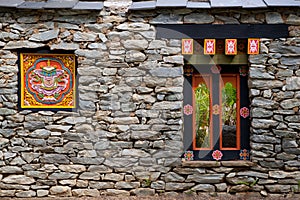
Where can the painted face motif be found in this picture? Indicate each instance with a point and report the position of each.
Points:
(48, 83)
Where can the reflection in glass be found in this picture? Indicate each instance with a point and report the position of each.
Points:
(202, 102)
(229, 119)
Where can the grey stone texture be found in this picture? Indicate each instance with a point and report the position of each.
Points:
(126, 136)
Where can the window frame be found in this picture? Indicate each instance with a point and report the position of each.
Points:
(243, 133)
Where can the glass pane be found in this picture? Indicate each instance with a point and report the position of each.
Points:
(229, 119)
(202, 101)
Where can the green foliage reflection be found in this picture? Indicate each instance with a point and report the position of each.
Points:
(202, 116)
(229, 104)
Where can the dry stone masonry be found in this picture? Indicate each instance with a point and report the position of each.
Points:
(126, 136)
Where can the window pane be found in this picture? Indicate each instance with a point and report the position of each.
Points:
(229, 119)
(202, 102)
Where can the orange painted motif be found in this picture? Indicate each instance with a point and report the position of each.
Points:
(209, 46)
(253, 46)
(187, 46)
(231, 46)
(47, 81)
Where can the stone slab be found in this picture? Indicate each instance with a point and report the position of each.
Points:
(88, 5)
(60, 4)
(282, 2)
(11, 3)
(254, 4)
(173, 3)
(143, 5)
(225, 3)
(191, 4)
(32, 5)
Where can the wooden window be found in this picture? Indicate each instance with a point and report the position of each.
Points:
(218, 98)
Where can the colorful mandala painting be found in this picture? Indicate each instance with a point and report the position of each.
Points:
(244, 112)
(188, 155)
(47, 80)
(188, 109)
(217, 155)
(244, 154)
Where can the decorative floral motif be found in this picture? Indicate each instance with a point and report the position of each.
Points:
(188, 70)
(217, 155)
(216, 69)
(244, 154)
(188, 155)
(243, 71)
(216, 109)
(244, 112)
(188, 109)
(220, 47)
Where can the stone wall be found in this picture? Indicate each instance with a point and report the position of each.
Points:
(126, 136)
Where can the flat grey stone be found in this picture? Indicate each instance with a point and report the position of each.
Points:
(60, 3)
(120, 162)
(293, 19)
(136, 26)
(167, 72)
(101, 185)
(88, 5)
(174, 3)
(90, 176)
(8, 36)
(266, 84)
(143, 192)
(282, 2)
(22, 44)
(11, 3)
(143, 5)
(167, 19)
(135, 44)
(204, 188)
(263, 123)
(290, 103)
(84, 37)
(65, 46)
(135, 56)
(92, 54)
(206, 178)
(253, 4)
(226, 3)
(191, 4)
(114, 192)
(204, 18)
(44, 36)
(274, 18)
(178, 186)
(87, 161)
(61, 191)
(289, 60)
(10, 170)
(18, 179)
(32, 5)
(26, 194)
(85, 192)
(55, 159)
(278, 188)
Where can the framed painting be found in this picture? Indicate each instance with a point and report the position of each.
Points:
(47, 81)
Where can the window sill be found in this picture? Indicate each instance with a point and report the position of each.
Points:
(242, 163)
